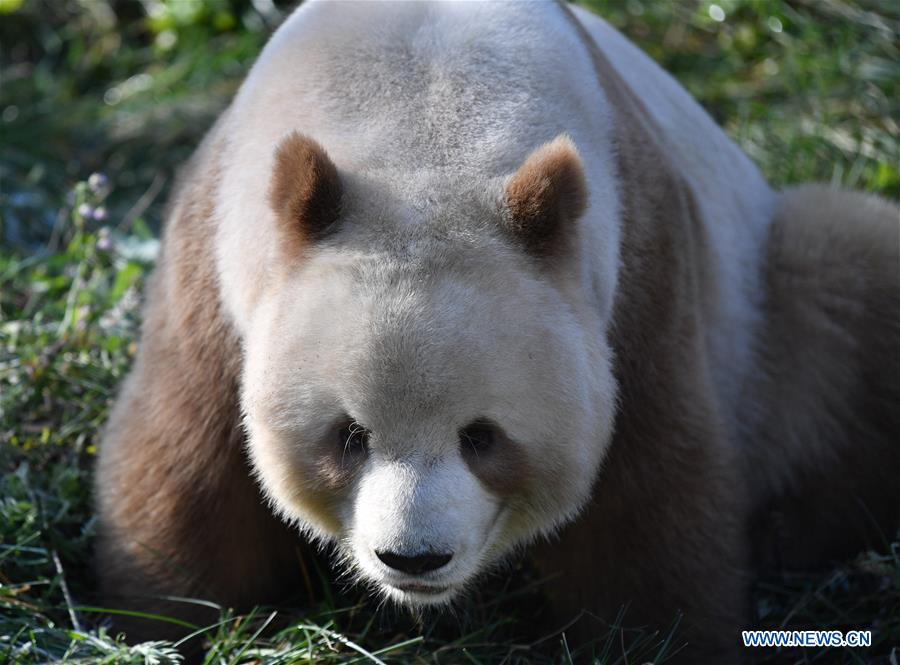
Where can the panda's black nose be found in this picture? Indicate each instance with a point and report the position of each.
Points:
(416, 564)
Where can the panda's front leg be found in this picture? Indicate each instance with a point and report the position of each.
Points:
(179, 513)
(662, 541)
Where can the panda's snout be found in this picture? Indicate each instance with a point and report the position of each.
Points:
(416, 564)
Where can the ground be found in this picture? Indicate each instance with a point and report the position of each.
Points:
(811, 90)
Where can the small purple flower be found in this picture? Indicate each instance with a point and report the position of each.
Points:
(97, 182)
(104, 239)
(85, 211)
(99, 213)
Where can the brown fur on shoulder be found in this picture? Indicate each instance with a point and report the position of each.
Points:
(545, 197)
(306, 191)
(179, 514)
(668, 504)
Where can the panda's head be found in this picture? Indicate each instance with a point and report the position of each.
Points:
(425, 384)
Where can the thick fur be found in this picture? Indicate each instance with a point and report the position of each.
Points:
(545, 198)
(744, 342)
(305, 194)
(180, 514)
(663, 534)
(822, 452)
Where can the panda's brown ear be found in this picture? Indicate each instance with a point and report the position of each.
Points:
(305, 192)
(544, 198)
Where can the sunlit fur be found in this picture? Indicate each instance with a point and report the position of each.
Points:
(415, 216)
(418, 316)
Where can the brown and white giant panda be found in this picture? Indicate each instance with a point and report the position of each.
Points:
(447, 278)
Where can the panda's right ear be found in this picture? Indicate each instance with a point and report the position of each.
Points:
(543, 200)
(306, 191)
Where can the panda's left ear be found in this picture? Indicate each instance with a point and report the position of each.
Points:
(545, 197)
(306, 191)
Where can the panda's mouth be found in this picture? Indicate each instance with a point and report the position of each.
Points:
(426, 589)
(417, 594)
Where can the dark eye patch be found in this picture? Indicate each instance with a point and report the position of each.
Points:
(478, 437)
(353, 438)
(499, 462)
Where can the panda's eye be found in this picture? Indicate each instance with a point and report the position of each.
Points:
(353, 438)
(478, 437)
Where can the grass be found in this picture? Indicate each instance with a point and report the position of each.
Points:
(809, 89)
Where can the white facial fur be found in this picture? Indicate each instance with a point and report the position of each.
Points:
(415, 318)
(415, 332)
(422, 505)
